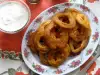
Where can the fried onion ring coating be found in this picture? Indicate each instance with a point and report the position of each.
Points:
(50, 38)
(79, 33)
(56, 58)
(43, 58)
(73, 11)
(55, 42)
(31, 42)
(83, 20)
(69, 21)
(80, 48)
(40, 34)
(62, 40)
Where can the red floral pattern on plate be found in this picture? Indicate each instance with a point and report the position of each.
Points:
(38, 68)
(38, 19)
(68, 4)
(75, 63)
(95, 36)
(26, 53)
(89, 51)
(96, 19)
(84, 8)
(52, 10)
(58, 71)
(28, 33)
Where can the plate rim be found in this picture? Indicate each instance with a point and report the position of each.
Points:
(37, 17)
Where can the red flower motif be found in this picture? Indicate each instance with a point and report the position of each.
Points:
(21, 73)
(26, 53)
(95, 36)
(98, 72)
(27, 35)
(17, 54)
(84, 8)
(89, 52)
(75, 63)
(96, 19)
(2, 56)
(68, 4)
(52, 10)
(38, 19)
(38, 68)
(58, 71)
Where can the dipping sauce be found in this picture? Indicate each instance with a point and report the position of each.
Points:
(13, 16)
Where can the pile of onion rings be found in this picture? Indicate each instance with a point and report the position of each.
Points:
(56, 39)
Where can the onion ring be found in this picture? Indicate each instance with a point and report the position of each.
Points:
(68, 23)
(83, 20)
(40, 34)
(62, 40)
(73, 11)
(31, 42)
(43, 58)
(80, 48)
(53, 41)
(57, 58)
(78, 34)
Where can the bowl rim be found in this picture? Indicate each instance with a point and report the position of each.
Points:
(29, 15)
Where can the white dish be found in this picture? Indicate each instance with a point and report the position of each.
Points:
(14, 16)
(32, 60)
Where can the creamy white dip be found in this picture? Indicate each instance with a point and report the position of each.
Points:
(13, 16)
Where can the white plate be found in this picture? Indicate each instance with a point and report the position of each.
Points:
(32, 60)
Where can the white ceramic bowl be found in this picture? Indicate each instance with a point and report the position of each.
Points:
(21, 23)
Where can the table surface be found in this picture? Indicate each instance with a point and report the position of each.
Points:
(10, 47)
